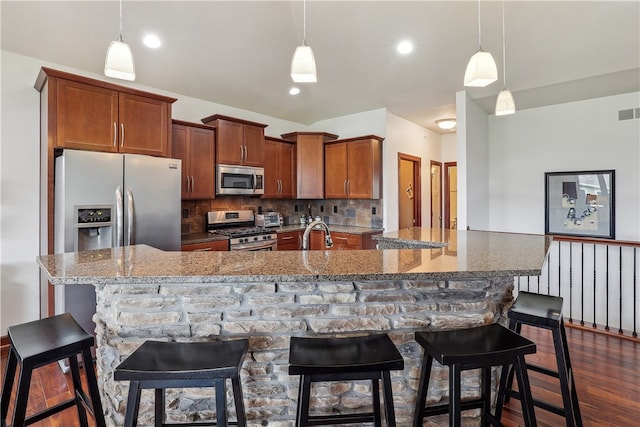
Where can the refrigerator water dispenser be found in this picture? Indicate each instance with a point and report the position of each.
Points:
(93, 227)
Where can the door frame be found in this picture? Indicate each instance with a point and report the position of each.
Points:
(432, 164)
(447, 201)
(417, 188)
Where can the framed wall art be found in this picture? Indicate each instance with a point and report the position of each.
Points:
(580, 203)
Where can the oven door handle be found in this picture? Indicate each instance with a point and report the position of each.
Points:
(264, 245)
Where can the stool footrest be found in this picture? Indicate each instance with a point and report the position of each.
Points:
(539, 403)
(50, 411)
(443, 408)
(317, 420)
(543, 370)
(199, 423)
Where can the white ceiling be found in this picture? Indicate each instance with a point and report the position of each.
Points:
(238, 53)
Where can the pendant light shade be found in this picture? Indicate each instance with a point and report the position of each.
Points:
(119, 60)
(481, 70)
(505, 103)
(303, 65)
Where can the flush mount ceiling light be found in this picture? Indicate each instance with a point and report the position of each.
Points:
(446, 124)
(505, 103)
(481, 70)
(303, 64)
(119, 60)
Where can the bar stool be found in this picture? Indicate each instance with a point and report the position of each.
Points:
(345, 359)
(464, 349)
(545, 311)
(38, 343)
(158, 365)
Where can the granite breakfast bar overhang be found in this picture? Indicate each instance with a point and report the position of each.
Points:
(144, 293)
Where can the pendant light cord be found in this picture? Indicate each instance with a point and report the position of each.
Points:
(120, 21)
(304, 23)
(479, 27)
(504, 51)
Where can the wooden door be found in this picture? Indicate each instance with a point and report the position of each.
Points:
(335, 175)
(229, 144)
(451, 195)
(409, 191)
(436, 194)
(144, 125)
(87, 117)
(202, 163)
(360, 170)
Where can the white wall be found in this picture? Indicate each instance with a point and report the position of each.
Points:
(448, 144)
(577, 136)
(371, 122)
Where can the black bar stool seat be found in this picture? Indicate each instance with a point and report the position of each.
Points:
(369, 357)
(159, 365)
(38, 343)
(545, 311)
(464, 349)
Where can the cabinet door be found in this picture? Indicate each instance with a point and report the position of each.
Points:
(335, 175)
(271, 169)
(218, 245)
(179, 150)
(360, 169)
(144, 125)
(87, 117)
(343, 241)
(316, 240)
(253, 140)
(202, 163)
(229, 146)
(286, 162)
(310, 167)
(290, 241)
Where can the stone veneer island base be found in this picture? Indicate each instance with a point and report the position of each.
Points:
(143, 293)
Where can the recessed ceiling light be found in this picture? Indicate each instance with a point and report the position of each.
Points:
(294, 91)
(405, 47)
(152, 41)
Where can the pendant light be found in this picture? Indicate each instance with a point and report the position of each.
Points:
(303, 64)
(119, 60)
(481, 70)
(505, 103)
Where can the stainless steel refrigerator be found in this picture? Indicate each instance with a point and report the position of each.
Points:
(108, 199)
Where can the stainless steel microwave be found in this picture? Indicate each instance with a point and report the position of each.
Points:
(245, 180)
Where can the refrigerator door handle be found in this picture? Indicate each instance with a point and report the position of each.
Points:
(119, 217)
(130, 209)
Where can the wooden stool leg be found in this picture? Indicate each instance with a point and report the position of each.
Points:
(77, 389)
(221, 401)
(22, 394)
(423, 387)
(501, 399)
(159, 407)
(455, 404)
(239, 401)
(388, 399)
(94, 391)
(564, 374)
(375, 394)
(7, 385)
(485, 395)
(524, 388)
(304, 395)
(133, 404)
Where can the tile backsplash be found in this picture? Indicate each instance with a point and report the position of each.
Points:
(362, 213)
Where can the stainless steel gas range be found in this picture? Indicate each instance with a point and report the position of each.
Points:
(243, 234)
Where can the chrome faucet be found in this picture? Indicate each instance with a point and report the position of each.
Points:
(327, 238)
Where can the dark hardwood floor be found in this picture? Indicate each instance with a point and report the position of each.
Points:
(607, 374)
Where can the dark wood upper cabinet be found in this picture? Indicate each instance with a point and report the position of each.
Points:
(279, 168)
(195, 145)
(89, 114)
(309, 162)
(353, 168)
(238, 142)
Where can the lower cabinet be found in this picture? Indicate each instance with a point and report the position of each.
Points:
(290, 241)
(353, 241)
(217, 245)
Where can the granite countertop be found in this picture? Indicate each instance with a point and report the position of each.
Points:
(189, 239)
(475, 254)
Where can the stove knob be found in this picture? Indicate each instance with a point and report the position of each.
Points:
(255, 239)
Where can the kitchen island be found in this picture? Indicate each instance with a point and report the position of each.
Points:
(144, 293)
